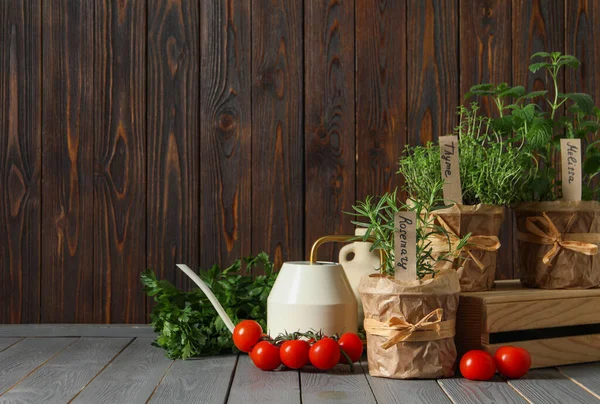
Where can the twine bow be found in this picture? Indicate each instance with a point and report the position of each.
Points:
(399, 330)
(578, 242)
(482, 243)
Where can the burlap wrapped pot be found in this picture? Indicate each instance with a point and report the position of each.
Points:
(477, 263)
(558, 244)
(410, 326)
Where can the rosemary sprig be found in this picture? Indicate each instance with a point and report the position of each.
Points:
(377, 214)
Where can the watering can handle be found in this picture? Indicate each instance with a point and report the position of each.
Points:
(211, 296)
(342, 239)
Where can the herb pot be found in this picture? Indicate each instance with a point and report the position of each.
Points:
(311, 295)
(410, 326)
(558, 244)
(477, 264)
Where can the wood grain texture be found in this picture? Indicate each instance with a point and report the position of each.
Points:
(173, 166)
(120, 164)
(63, 376)
(586, 376)
(6, 343)
(67, 171)
(380, 94)
(77, 330)
(20, 159)
(250, 386)
(485, 57)
(200, 381)
(337, 384)
(432, 69)
(582, 30)
(392, 391)
(23, 358)
(226, 141)
(549, 386)
(278, 138)
(557, 351)
(477, 392)
(329, 120)
(130, 378)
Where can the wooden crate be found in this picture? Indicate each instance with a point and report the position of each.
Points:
(557, 327)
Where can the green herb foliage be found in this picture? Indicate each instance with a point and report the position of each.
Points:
(377, 214)
(522, 120)
(188, 325)
(492, 169)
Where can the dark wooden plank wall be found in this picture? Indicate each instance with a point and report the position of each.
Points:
(137, 134)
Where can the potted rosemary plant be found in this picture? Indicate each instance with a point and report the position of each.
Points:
(558, 238)
(409, 324)
(493, 172)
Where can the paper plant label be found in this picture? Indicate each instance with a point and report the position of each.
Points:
(571, 169)
(450, 169)
(405, 246)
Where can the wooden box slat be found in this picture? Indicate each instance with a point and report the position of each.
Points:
(513, 310)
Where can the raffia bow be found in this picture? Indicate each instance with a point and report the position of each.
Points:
(579, 242)
(482, 243)
(399, 330)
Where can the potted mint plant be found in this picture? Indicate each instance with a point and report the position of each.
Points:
(558, 238)
(492, 174)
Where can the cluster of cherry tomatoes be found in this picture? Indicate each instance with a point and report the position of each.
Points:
(510, 361)
(296, 350)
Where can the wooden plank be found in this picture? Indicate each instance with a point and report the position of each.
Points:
(253, 386)
(558, 351)
(67, 162)
(77, 330)
(226, 141)
(6, 343)
(337, 384)
(485, 57)
(512, 291)
(201, 381)
(119, 155)
(533, 314)
(549, 386)
(173, 139)
(468, 391)
(582, 29)
(391, 391)
(380, 95)
(329, 121)
(278, 139)
(432, 69)
(20, 159)
(587, 376)
(130, 378)
(20, 360)
(63, 376)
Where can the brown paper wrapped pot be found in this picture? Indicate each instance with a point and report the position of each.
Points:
(567, 269)
(384, 298)
(479, 220)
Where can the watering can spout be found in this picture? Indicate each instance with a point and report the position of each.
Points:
(211, 296)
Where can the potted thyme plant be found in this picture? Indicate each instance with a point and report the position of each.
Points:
(394, 309)
(492, 172)
(558, 240)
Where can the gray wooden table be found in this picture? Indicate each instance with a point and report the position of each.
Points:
(129, 370)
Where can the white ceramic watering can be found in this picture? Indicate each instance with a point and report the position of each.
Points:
(311, 295)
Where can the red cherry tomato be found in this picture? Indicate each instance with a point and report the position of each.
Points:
(294, 353)
(352, 345)
(477, 365)
(512, 361)
(324, 354)
(265, 356)
(246, 334)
